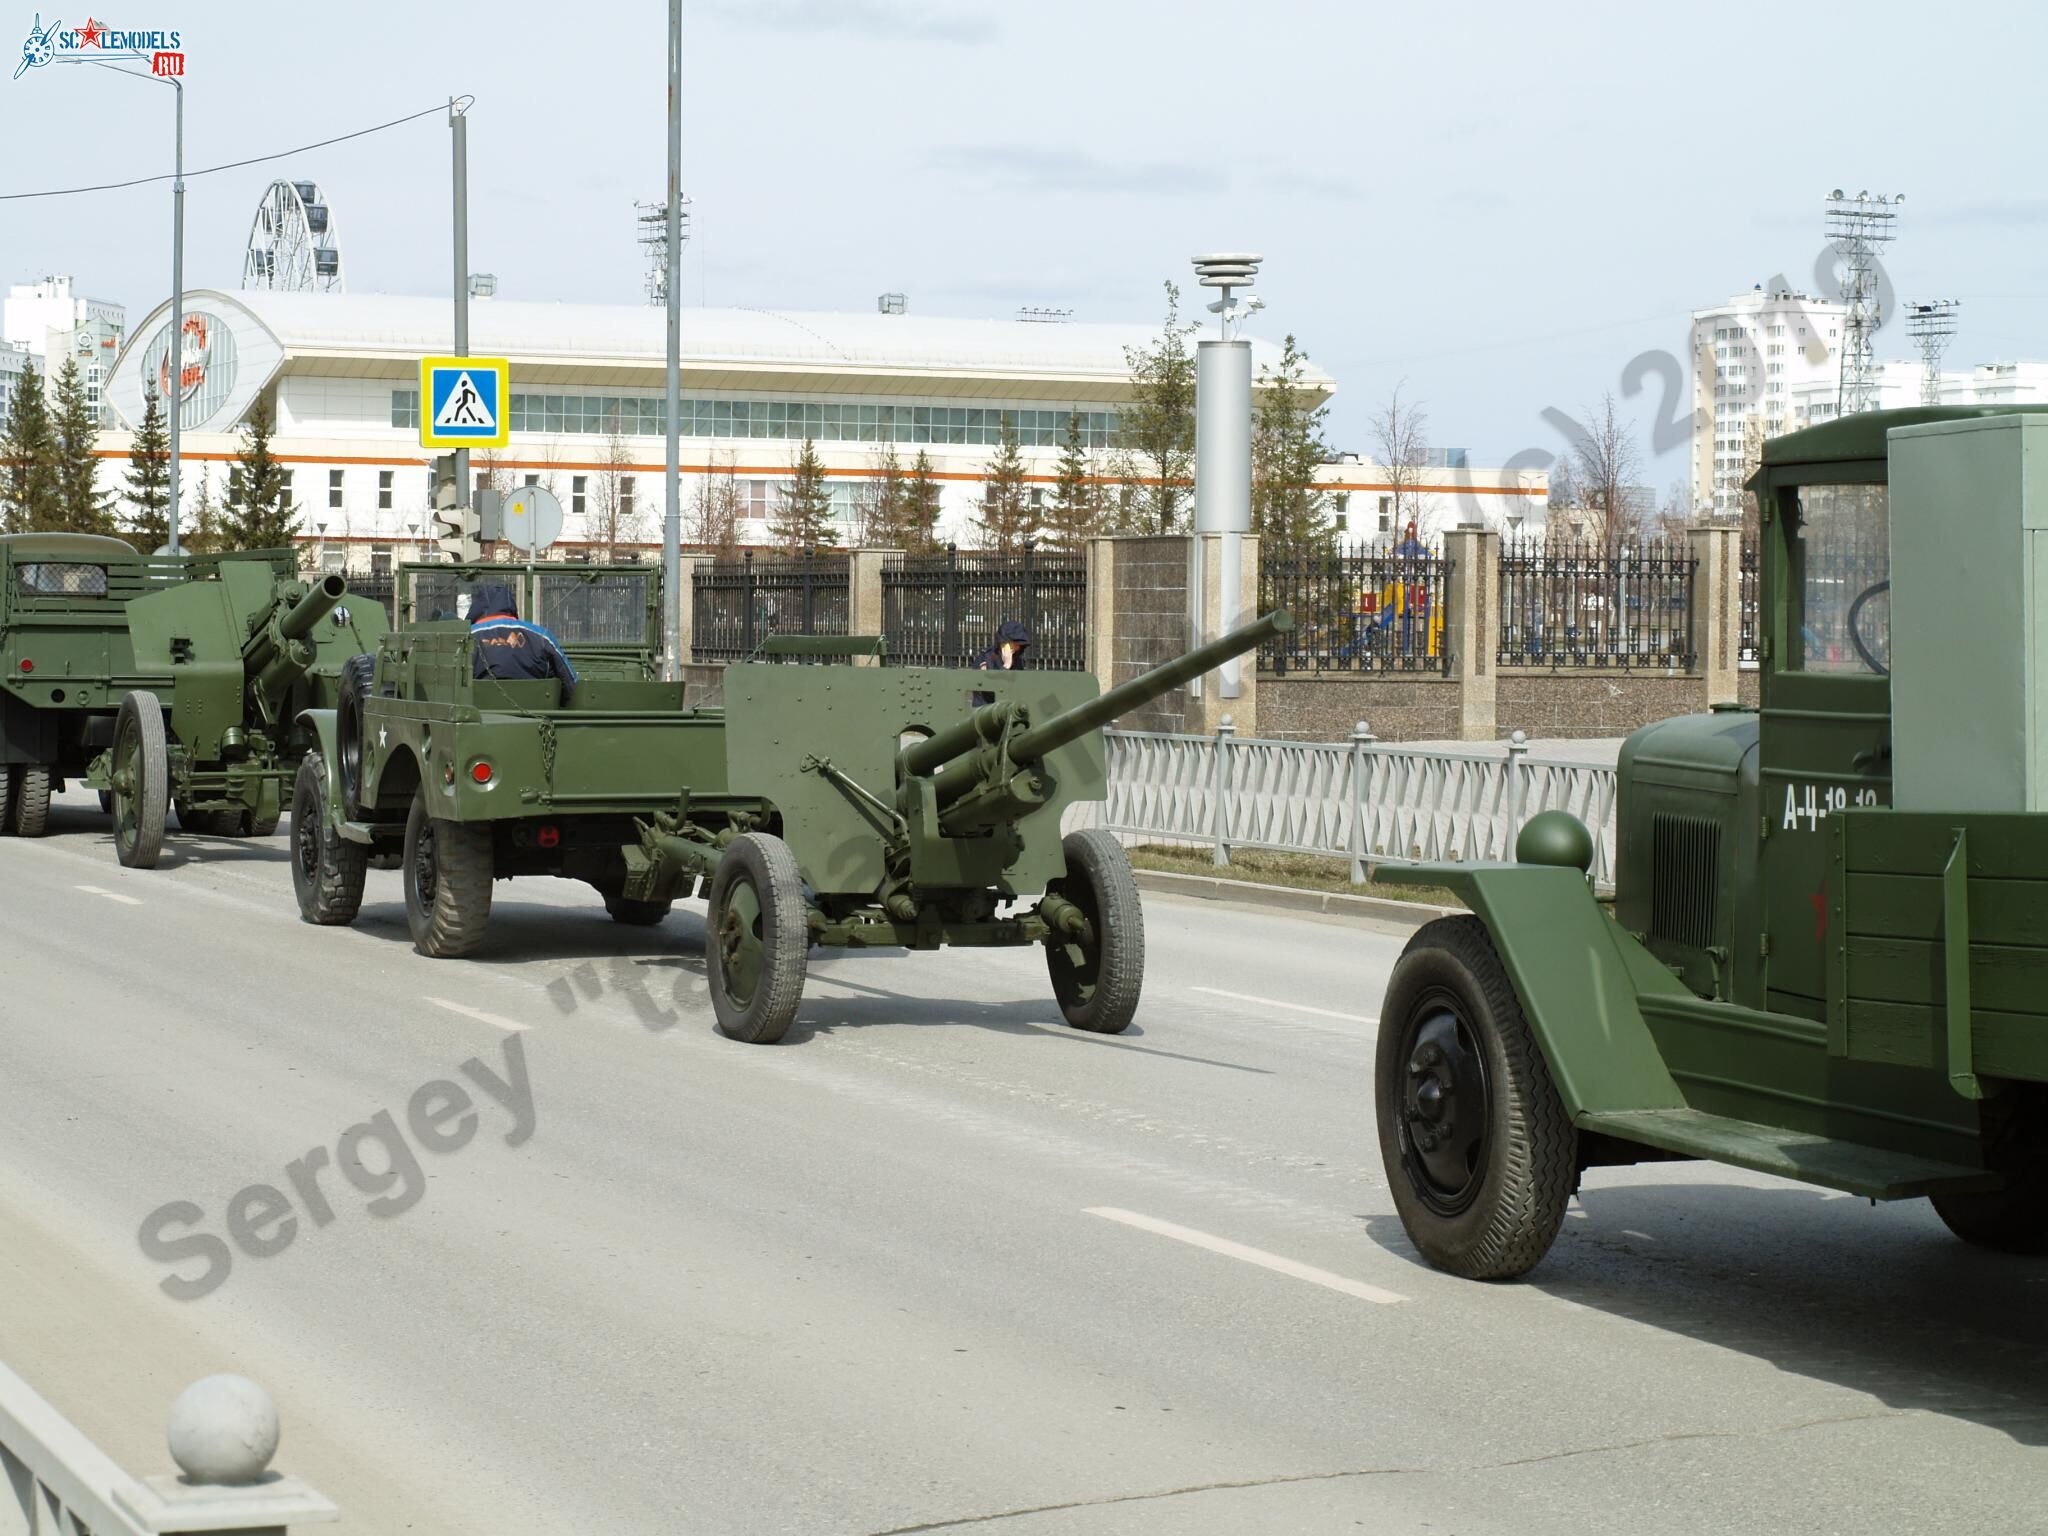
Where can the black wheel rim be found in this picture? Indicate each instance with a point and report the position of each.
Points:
(1077, 966)
(306, 838)
(741, 950)
(424, 872)
(1445, 1107)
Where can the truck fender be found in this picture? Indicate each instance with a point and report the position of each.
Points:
(1577, 974)
(323, 725)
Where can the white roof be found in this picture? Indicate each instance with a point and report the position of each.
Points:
(762, 341)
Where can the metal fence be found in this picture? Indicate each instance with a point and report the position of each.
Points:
(1356, 800)
(375, 587)
(943, 610)
(740, 603)
(1570, 604)
(1369, 608)
(1748, 598)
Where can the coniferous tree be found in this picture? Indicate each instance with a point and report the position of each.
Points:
(28, 478)
(1289, 513)
(921, 506)
(75, 437)
(260, 513)
(886, 502)
(1155, 453)
(1007, 517)
(204, 537)
(803, 515)
(1075, 511)
(149, 475)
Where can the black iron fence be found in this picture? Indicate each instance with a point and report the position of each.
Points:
(1570, 604)
(739, 603)
(1366, 608)
(375, 587)
(1748, 599)
(943, 610)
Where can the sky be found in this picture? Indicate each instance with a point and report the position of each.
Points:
(1496, 208)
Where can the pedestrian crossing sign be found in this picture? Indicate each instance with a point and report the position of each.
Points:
(463, 402)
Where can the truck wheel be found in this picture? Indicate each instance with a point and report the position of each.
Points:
(29, 815)
(448, 868)
(636, 914)
(327, 869)
(1479, 1151)
(141, 781)
(1097, 983)
(358, 675)
(263, 826)
(2011, 1220)
(9, 773)
(757, 939)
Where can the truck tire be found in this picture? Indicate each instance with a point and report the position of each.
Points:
(29, 815)
(757, 939)
(9, 773)
(141, 780)
(1097, 984)
(327, 869)
(2011, 1220)
(1479, 1151)
(448, 870)
(358, 675)
(637, 914)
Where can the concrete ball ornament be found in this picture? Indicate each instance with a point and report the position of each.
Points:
(223, 1430)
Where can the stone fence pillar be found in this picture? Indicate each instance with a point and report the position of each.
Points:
(864, 614)
(1472, 627)
(1717, 610)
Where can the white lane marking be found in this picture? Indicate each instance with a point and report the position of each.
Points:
(1258, 1256)
(1268, 1002)
(479, 1015)
(126, 901)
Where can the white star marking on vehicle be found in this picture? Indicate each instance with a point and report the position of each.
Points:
(382, 736)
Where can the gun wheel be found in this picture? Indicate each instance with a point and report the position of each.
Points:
(1479, 1151)
(448, 870)
(141, 781)
(327, 869)
(757, 938)
(106, 802)
(1097, 979)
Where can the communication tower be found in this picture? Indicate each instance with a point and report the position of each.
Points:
(1858, 226)
(653, 221)
(1930, 323)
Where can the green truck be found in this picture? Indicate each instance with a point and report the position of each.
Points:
(164, 682)
(1827, 957)
(829, 800)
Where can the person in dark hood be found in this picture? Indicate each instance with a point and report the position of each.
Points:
(505, 646)
(1005, 654)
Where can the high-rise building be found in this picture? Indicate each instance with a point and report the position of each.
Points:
(1758, 364)
(52, 321)
(12, 361)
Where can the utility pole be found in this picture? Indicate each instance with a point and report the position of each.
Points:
(458, 124)
(672, 517)
(176, 352)
(1223, 444)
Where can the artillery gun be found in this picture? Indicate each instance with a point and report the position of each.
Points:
(1828, 953)
(837, 804)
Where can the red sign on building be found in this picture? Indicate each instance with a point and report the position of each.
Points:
(163, 65)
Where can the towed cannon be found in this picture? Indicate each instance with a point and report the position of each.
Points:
(245, 653)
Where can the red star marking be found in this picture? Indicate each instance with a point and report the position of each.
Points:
(89, 34)
(1820, 911)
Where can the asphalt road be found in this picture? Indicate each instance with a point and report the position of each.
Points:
(936, 1263)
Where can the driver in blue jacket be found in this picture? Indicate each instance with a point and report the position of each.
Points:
(505, 646)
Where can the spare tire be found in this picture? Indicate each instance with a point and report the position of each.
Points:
(358, 676)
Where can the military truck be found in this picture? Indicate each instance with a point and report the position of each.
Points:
(831, 804)
(1827, 957)
(162, 681)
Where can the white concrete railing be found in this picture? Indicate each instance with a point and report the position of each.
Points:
(223, 1432)
(1359, 800)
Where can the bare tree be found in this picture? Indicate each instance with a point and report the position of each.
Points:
(1401, 434)
(618, 518)
(715, 508)
(1606, 464)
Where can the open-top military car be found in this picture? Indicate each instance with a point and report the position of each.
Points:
(833, 804)
(1828, 954)
(161, 681)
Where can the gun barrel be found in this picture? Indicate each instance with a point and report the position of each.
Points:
(298, 620)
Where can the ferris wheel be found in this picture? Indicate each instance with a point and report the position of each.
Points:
(293, 244)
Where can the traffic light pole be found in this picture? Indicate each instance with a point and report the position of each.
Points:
(458, 123)
(672, 519)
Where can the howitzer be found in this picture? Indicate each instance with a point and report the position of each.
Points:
(280, 652)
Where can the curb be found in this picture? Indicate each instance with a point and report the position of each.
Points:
(1285, 898)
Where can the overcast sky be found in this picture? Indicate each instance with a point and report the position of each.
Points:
(1501, 205)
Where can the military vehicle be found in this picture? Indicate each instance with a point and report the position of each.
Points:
(835, 804)
(100, 644)
(1828, 953)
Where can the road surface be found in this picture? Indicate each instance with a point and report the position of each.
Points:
(937, 1263)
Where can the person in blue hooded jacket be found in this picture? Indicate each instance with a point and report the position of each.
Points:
(505, 646)
(1005, 653)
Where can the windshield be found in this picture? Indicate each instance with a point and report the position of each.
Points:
(1841, 573)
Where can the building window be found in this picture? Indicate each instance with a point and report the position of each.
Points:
(334, 489)
(384, 489)
(284, 489)
(1386, 514)
(405, 408)
(483, 483)
(380, 559)
(533, 479)
(625, 498)
(579, 486)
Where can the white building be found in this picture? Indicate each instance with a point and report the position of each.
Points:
(1364, 496)
(1901, 384)
(12, 362)
(52, 321)
(1759, 360)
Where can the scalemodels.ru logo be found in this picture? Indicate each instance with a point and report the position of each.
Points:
(59, 44)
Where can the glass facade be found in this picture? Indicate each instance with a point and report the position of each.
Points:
(835, 421)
